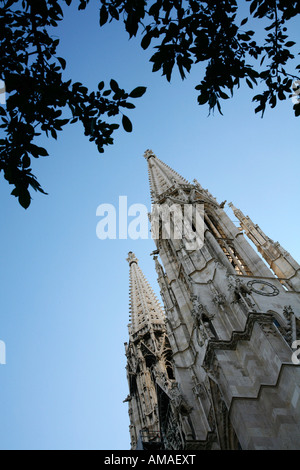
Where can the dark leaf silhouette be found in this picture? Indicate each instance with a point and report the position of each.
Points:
(192, 31)
(182, 33)
(138, 92)
(39, 100)
(127, 124)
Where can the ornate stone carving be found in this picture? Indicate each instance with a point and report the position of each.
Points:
(172, 433)
(269, 329)
(202, 320)
(163, 381)
(288, 332)
(237, 286)
(288, 312)
(197, 184)
(240, 291)
(158, 267)
(179, 402)
(199, 391)
(199, 309)
(219, 299)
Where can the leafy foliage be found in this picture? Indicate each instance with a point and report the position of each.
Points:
(182, 32)
(38, 95)
(186, 32)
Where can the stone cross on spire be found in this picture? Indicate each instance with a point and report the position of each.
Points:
(145, 309)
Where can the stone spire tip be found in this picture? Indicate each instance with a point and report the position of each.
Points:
(148, 154)
(131, 258)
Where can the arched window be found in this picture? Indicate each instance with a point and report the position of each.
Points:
(227, 246)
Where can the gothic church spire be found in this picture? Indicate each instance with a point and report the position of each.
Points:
(144, 306)
(161, 176)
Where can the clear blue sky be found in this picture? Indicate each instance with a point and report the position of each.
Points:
(64, 293)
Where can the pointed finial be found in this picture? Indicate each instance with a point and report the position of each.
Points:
(232, 206)
(148, 154)
(196, 183)
(158, 266)
(131, 258)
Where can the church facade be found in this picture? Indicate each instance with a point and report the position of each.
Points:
(215, 368)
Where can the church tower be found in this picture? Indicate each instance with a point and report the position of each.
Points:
(148, 360)
(231, 320)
